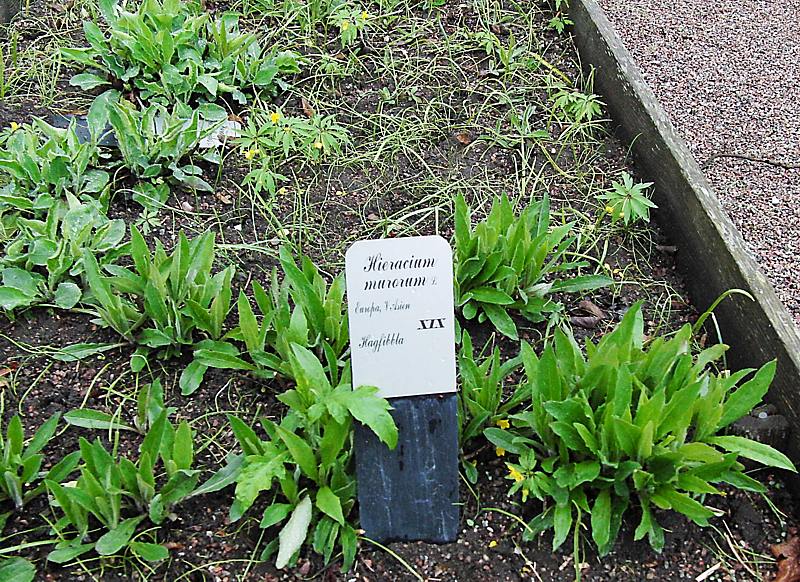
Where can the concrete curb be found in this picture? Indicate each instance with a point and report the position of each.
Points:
(712, 255)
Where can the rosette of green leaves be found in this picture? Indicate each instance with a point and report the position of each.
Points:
(155, 141)
(44, 261)
(307, 461)
(20, 462)
(509, 263)
(174, 51)
(301, 310)
(630, 425)
(482, 398)
(164, 300)
(112, 487)
(40, 163)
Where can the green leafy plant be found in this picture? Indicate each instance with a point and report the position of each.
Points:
(20, 463)
(175, 51)
(483, 400)
(164, 300)
(268, 139)
(351, 22)
(302, 310)
(306, 461)
(627, 201)
(629, 425)
(44, 260)
(39, 163)
(110, 487)
(510, 263)
(572, 105)
(154, 141)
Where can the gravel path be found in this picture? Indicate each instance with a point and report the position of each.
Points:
(728, 74)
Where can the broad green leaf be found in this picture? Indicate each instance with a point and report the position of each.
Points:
(329, 504)
(149, 552)
(369, 409)
(116, 539)
(294, 532)
(754, 451)
(749, 394)
(601, 518)
(94, 419)
(67, 295)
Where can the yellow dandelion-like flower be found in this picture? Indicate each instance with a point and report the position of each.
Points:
(610, 209)
(275, 117)
(503, 423)
(318, 145)
(493, 543)
(345, 25)
(282, 190)
(287, 129)
(500, 452)
(251, 153)
(515, 474)
(364, 15)
(14, 126)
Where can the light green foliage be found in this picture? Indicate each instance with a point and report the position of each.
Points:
(17, 570)
(20, 462)
(308, 456)
(111, 487)
(43, 262)
(39, 163)
(163, 301)
(154, 141)
(482, 398)
(509, 263)
(302, 310)
(269, 138)
(628, 201)
(350, 20)
(175, 51)
(572, 105)
(629, 425)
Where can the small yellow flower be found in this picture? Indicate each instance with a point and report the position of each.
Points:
(610, 209)
(251, 153)
(318, 145)
(493, 543)
(275, 117)
(615, 271)
(514, 474)
(345, 25)
(287, 129)
(500, 452)
(503, 423)
(364, 15)
(282, 191)
(14, 126)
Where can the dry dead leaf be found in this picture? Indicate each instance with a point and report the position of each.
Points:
(307, 109)
(224, 198)
(464, 137)
(787, 554)
(592, 309)
(586, 322)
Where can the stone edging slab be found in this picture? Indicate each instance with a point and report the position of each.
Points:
(712, 254)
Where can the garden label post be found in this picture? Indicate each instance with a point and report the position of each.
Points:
(402, 340)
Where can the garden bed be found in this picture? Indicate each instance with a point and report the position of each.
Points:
(477, 99)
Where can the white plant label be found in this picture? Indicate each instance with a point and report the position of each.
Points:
(400, 305)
